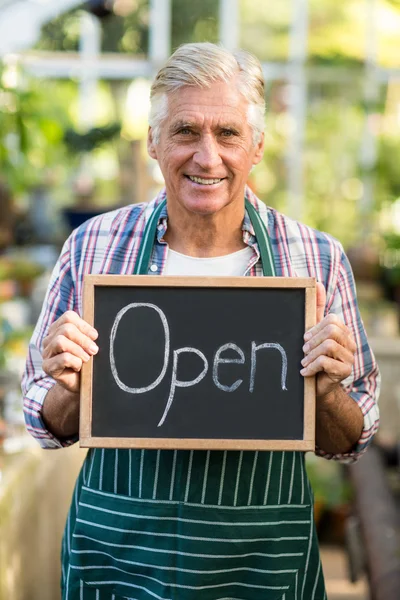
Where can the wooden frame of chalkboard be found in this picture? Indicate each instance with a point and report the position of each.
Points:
(95, 286)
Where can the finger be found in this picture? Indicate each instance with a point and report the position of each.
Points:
(70, 380)
(71, 332)
(333, 350)
(60, 344)
(72, 317)
(335, 369)
(56, 365)
(334, 333)
(330, 319)
(46, 341)
(321, 301)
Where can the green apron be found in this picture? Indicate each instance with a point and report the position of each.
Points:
(192, 525)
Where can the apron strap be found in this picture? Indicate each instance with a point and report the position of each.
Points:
(263, 240)
(146, 246)
(260, 230)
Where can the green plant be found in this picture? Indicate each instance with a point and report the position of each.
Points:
(88, 141)
(327, 481)
(19, 269)
(390, 266)
(33, 119)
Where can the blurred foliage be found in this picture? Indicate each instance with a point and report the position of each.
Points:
(31, 131)
(334, 179)
(387, 168)
(194, 22)
(89, 140)
(390, 264)
(12, 341)
(19, 269)
(392, 241)
(329, 486)
(128, 34)
(40, 142)
(337, 30)
(264, 29)
(62, 33)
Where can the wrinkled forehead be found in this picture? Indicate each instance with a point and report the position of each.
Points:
(220, 102)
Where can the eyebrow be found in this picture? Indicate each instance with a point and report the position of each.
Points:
(181, 124)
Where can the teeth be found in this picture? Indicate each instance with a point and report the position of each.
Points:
(204, 181)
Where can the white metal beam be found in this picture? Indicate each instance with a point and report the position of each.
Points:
(90, 47)
(63, 65)
(159, 32)
(68, 65)
(229, 24)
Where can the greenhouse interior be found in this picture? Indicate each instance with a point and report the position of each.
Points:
(75, 81)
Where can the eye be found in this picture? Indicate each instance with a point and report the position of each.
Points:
(184, 131)
(228, 133)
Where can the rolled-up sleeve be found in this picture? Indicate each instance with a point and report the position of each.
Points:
(35, 383)
(363, 384)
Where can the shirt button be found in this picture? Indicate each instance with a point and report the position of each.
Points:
(154, 268)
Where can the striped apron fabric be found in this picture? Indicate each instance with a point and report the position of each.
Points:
(192, 524)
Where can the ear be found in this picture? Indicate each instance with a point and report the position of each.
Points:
(151, 146)
(259, 150)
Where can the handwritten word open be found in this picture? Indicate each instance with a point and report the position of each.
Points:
(217, 360)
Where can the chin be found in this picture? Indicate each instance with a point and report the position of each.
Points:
(205, 206)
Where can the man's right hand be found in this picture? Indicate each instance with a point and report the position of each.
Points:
(68, 344)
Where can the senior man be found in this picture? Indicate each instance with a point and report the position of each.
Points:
(181, 524)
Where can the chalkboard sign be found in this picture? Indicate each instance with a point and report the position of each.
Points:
(198, 362)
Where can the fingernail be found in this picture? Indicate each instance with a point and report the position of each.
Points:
(93, 334)
(303, 362)
(306, 347)
(307, 335)
(93, 348)
(303, 371)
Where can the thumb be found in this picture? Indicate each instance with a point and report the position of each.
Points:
(321, 300)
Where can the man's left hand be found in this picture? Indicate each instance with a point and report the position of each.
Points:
(329, 349)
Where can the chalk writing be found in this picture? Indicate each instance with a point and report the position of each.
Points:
(178, 383)
(166, 347)
(254, 349)
(218, 360)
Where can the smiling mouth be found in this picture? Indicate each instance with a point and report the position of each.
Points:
(202, 181)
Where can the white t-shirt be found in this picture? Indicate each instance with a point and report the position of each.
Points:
(234, 264)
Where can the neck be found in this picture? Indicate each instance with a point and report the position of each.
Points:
(205, 236)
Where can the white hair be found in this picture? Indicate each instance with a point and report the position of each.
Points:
(201, 65)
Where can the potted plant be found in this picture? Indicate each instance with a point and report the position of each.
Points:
(332, 494)
(390, 269)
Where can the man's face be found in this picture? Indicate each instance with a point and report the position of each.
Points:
(206, 150)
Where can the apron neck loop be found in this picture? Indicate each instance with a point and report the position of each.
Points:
(260, 230)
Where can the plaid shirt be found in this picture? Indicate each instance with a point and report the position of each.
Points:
(109, 243)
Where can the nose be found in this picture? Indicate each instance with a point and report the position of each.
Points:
(207, 153)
